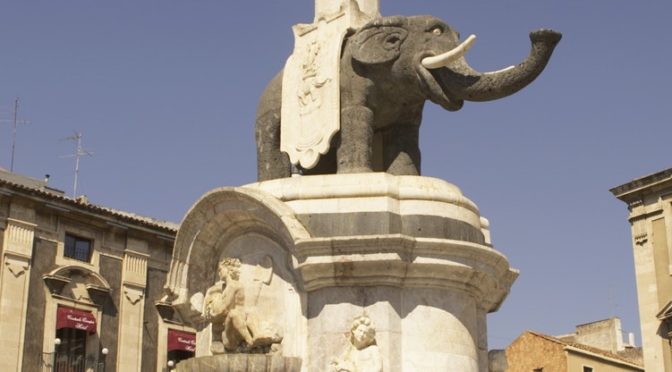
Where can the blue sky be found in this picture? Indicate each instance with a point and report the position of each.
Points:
(165, 93)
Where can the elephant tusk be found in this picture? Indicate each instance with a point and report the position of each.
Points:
(444, 59)
(498, 71)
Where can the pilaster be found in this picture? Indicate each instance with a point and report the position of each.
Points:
(132, 304)
(14, 282)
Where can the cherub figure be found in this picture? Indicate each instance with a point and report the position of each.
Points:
(224, 307)
(362, 355)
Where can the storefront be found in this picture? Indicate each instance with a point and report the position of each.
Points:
(181, 345)
(73, 327)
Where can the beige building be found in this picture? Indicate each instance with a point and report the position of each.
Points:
(649, 201)
(536, 352)
(79, 282)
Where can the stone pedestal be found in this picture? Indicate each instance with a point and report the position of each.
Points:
(410, 253)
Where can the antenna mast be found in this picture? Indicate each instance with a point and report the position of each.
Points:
(16, 123)
(79, 152)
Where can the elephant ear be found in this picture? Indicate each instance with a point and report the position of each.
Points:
(379, 44)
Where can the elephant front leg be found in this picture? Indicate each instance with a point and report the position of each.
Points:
(401, 150)
(354, 153)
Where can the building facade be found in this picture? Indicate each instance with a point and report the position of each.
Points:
(79, 283)
(649, 201)
(536, 352)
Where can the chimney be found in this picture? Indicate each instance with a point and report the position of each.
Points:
(631, 339)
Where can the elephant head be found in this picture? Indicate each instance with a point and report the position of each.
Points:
(388, 69)
(431, 51)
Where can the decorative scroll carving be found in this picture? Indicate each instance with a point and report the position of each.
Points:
(310, 88)
(311, 110)
(312, 81)
(235, 327)
(362, 354)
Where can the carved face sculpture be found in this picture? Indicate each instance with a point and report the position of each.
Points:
(229, 268)
(361, 336)
(362, 333)
(223, 271)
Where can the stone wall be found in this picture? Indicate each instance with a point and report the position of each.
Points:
(529, 352)
(110, 268)
(43, 259)
(154, 290)
(605, 335)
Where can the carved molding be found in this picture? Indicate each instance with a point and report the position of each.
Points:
(55, 283)
(165, 310)
(16, 267)
(19, 237)
(97, 293)
(133, 295)
(135, 268)
(404, 261)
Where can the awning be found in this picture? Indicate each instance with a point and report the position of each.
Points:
(67, 317)
(178, 340)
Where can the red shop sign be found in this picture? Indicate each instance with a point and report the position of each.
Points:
(178, 340)
(78, 319)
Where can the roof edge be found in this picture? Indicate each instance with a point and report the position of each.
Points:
(641, 183)
(127, 217)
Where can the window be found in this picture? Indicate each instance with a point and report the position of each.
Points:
(77, 248)
(538, 370)
(71, 350)
(587, 369)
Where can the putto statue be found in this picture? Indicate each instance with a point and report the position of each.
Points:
(234, 328)
(370, 87)
(362, 354)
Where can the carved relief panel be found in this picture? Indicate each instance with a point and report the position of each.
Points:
(253, 305)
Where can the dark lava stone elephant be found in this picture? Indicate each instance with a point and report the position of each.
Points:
(389, 68)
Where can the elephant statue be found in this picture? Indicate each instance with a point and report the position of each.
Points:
(388, 69)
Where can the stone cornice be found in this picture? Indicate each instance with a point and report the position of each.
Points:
(631, 191)
(404, 261)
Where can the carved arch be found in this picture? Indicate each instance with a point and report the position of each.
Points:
(96, 285)
(224, 214)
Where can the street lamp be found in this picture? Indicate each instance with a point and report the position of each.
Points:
(104, 352)
(171, 364)
(57, 341)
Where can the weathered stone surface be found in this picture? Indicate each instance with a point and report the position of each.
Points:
(240, 363)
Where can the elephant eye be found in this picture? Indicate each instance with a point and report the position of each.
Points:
(437, 31)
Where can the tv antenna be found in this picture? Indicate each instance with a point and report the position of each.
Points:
(79, 152)
(15, 123)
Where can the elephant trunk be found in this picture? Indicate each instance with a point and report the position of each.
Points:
(464, 82)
